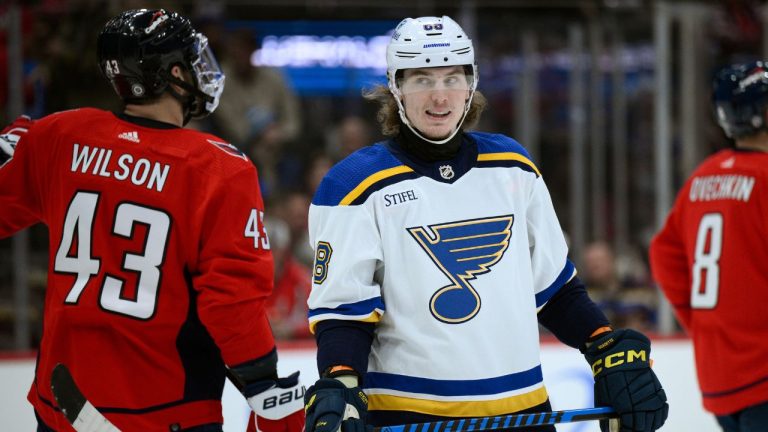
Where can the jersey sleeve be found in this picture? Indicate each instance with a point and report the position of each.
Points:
(549, 251)
(235, 269)
(19, 192)
(669, 263)
(347, 252)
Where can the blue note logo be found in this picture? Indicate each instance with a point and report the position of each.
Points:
(463, 250)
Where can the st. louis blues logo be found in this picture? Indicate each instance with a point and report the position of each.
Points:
(462, 251)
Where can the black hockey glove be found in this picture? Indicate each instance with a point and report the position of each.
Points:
(620, 362)
(331, 406)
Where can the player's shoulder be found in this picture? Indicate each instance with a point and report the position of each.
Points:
(57, 127)
(495, 149)
(365, 171)
(210, 153)
(495, 142)
(215, 147)
(74, 119)
(726, 160)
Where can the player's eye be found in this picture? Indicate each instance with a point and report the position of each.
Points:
(424, 82)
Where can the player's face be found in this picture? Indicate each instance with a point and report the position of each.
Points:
(434, 99)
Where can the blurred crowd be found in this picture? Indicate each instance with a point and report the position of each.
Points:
(294, 140)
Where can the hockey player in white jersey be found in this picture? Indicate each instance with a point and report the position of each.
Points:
(437, 255)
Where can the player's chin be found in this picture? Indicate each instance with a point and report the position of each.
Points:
(440, 129)
(437, 133)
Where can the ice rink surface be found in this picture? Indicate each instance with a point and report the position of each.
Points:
(566, 374)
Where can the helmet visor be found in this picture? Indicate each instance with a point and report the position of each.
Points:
(210, 78)
(449, 79)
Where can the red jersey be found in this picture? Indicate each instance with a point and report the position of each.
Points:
(159, 264)
(711, 259)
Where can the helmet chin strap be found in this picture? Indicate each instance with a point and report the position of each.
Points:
(188, 101)
(404, 119)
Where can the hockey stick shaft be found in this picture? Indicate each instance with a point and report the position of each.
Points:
(83, 416)
(499, 423)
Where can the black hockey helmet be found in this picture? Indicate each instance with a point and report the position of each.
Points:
(137, 49)
(740, 98)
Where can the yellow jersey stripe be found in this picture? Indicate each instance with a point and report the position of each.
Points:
(372, 179)
(483, 408)
(373, 317)
(507, 156)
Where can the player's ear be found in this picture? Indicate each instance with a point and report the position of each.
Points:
(180, 73)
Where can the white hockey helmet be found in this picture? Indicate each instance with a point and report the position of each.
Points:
(429, 42)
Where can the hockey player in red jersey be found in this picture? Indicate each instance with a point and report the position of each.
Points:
(159, 261)
(710, 257)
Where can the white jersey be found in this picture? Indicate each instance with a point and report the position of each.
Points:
(452, 260)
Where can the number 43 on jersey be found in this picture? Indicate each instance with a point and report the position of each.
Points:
(256, 230)
(78, 230)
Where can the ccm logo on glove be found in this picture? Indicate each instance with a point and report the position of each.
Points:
(617, 359)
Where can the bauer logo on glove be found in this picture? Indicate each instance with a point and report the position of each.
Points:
(284, 398)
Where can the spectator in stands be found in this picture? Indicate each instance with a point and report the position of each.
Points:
(350, 134)
(293, 208)
(626, 302)
(259, 111)
(287, 306)
(317, 167)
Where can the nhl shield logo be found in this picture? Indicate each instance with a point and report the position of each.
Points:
(446, 172)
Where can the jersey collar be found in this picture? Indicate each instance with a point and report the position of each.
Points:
(444, 171)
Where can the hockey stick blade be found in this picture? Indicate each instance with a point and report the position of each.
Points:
(83, 416)
(499, 423)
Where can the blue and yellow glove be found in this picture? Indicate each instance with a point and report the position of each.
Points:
(621, 364)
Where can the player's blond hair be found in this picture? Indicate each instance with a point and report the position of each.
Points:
(389, 118)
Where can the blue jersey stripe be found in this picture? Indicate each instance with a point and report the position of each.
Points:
(363, 195)
(498, 143)
(363, 307)
(497, 150)
(478, 387)
(508, 164)
(349, 174)
(561, 280)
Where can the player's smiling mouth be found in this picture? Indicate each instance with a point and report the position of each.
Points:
(438, 114)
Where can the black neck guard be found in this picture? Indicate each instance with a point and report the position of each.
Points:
(425, 150)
